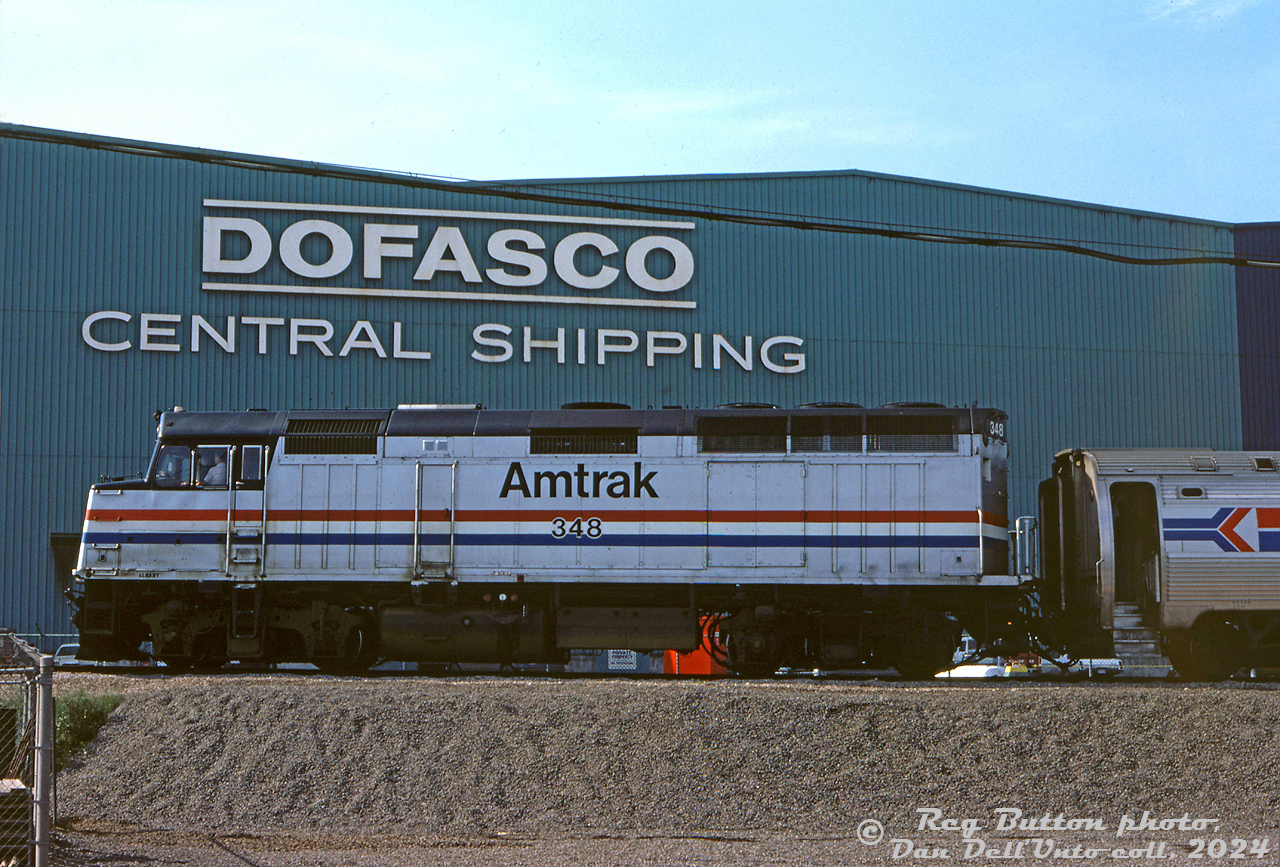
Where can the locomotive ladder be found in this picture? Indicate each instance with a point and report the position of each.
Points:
(246, 533)
(246, 548)
(443, 570)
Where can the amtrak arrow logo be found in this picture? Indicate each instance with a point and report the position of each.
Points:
(1233, 530)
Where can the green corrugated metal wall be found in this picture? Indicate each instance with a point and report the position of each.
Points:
(1079, 351)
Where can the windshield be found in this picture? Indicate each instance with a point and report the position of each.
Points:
(171, 466)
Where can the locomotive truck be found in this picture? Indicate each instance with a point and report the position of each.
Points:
(821, 536)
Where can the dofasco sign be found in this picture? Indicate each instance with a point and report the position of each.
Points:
(517, 254)
(425, 255)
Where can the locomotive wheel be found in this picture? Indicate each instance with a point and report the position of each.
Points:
(752, 649)
(925, 662)
(920, 648)
(208, 654)
(358, 653)
(209, 651)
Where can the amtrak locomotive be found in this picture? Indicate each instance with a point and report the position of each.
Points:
(827, 535)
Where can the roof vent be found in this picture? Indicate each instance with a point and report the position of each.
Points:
(1204, 464)
(594, 404)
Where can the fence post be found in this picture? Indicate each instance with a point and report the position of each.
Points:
(43, 805)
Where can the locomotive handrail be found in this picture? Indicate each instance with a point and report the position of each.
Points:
(981, 542)
(235, 462)
(1025, 543)
(233, 453)
(417, 519)
(262, 554)
(453, 493)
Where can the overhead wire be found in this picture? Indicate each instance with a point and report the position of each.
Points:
(900, 226)
(605, 201)
(805, 223)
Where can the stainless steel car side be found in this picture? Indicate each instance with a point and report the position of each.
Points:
(1164, 551)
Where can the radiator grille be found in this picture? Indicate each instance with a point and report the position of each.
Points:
(912, 434)
(742, 434)
(584, 441)
(331, 436)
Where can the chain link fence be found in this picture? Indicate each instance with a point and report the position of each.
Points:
(26, 754)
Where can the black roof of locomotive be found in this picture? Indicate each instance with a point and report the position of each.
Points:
(255, 425)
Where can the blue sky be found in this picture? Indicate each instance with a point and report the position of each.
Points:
(1160, 105)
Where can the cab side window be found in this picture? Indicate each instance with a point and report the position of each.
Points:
(250, 467)
(212, 469)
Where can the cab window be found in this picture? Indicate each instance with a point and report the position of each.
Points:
(250, 467)
(212, 467)
(172, 467)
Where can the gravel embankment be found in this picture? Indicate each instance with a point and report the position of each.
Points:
(553, 759)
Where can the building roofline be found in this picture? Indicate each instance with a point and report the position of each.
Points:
(207, 155)
(281, 164)
(862, 173)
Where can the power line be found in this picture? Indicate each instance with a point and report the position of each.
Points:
(668, 209)
(898, 226)
(803, 223)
